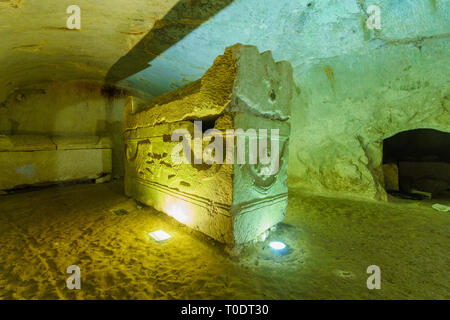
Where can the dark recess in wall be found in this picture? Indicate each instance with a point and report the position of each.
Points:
(422, 157)
(420, 145)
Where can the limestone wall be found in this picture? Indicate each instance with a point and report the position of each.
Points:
(70, 109)
(356, 86)
(347, 105)
(32, 160)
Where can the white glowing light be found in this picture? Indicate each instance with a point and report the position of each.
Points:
(277, 245)
(159, 235)
(177, 209)
(180, 216)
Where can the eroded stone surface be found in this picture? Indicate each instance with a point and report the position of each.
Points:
(340, 125)
(356, 86)
(38, 160)
(390, 172)
(433, 177)
(71, 114)
(232, 203)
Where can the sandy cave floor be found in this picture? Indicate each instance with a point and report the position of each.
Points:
(332, 242)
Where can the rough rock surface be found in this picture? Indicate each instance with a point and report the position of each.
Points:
(40, 160)
(73, 111)
(233, 203)
(343, 121)
(356, 86)
(390, 172)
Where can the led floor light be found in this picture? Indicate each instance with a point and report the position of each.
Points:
(277, 245)
(159, 235)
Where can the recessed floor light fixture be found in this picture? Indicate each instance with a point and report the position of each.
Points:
(159, 235)
(277, 245)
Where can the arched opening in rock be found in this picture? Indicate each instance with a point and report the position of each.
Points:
(416, 164)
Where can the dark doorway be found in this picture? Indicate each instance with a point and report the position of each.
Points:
(417, 163)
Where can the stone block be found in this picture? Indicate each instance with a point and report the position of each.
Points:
(39, 160)
(390, 171)
(420, 170)
(431, 177)
(232, 202)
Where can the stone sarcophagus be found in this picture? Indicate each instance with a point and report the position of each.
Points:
(213, 154)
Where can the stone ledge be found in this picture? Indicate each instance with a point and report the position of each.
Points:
(22, 143)
(22, 169)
